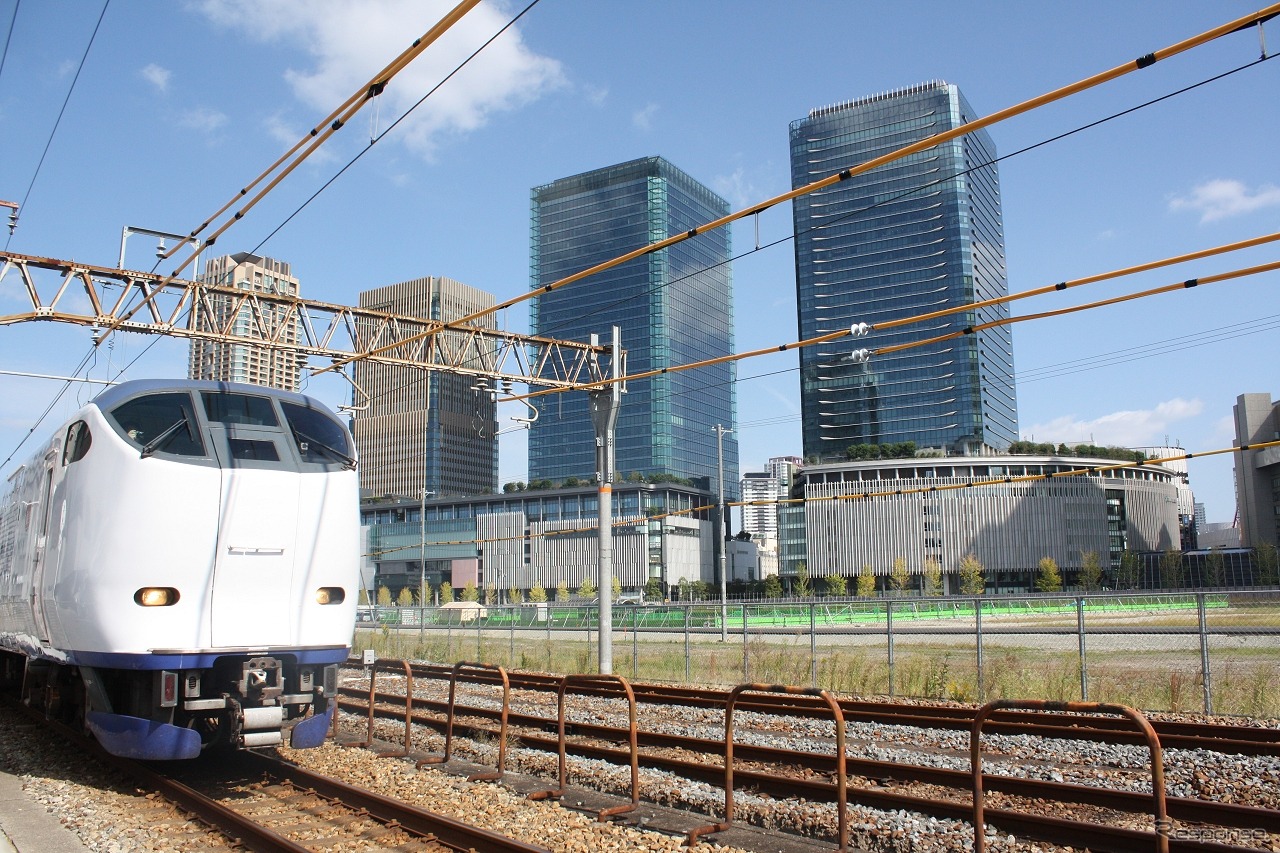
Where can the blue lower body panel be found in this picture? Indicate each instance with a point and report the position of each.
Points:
(146, 740)
(312, 731)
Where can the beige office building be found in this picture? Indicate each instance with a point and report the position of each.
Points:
(416, 432)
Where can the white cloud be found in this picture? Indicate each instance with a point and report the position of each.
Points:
(157, 76)
(643, 118)
(736, 189)
(202, 119)
(595, 95)
(1136, 428)
(349, 41)
(1222, 198)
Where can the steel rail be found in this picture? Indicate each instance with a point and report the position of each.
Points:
(439, 827)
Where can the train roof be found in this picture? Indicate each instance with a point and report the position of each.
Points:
(116, 393)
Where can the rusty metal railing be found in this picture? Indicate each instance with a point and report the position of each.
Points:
(502, 732)
(633, 741)
(1162, 824)
(408, 715)
(842, 780)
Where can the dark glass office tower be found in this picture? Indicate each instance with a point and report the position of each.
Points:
(674, 307)
(916, 235)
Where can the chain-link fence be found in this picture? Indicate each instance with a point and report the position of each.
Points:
(1215, 653)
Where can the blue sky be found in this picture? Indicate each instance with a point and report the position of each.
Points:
(180, 104)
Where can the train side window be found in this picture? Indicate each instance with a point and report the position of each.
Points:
(165, 419)
(77, 445)
(243, 409)
(318, 436)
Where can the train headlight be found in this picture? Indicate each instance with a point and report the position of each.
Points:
(331, 595)
(156, 596)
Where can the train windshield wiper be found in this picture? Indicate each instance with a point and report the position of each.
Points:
(305, 441)
(155, 444)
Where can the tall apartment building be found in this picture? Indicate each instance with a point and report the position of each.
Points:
(673, 307)
(1257, 471)
(772, 485)
(257, 364)
(913, 236)
(415, 432)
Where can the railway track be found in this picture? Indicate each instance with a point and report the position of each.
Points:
(1023, 806)
(267, 805)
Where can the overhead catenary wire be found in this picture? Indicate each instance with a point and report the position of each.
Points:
(9, 36)
(22, 206)
(307, 145)
(928, 142)
(124, 369)
(865, 328)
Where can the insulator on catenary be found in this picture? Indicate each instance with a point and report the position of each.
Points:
(857, 330)
(860, 356)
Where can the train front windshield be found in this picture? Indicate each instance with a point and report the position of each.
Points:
(241, 430)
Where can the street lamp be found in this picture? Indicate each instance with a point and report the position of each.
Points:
(719, 533)
(422, 519)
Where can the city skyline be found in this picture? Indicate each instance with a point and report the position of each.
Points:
(447, 192)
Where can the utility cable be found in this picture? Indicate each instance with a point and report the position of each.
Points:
(23, 204)
(865, 328)
(9, 36)
(928, 142)
(316, 137)
(844, 217)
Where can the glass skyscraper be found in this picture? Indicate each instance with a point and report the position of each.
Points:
(673, 307)
(916, 235)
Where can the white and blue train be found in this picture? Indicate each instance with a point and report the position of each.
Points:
(179, 565)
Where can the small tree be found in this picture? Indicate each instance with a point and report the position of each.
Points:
(562, 591)
(972, 579)
(490, 593)
(773, 587)
(1049, 579)
(836, 584)
(1214, 569)
(1171, 574)
(616, 585)
(470, 592)
(698, 589)
(653, 590)
(931, 576)
(405, 598)
(515, 596)
(803, 588)
(1268, 564)
(1090, 571)
(384, 597)
(866, 582)
(538, 594)
(586, 589)
(1129, 574)
(364, 596)
(899, 579)
(446, 593)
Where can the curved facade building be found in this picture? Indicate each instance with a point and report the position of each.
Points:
(1009, 526)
